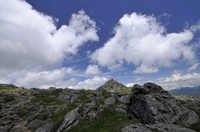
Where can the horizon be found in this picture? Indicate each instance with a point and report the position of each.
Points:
(83, 44)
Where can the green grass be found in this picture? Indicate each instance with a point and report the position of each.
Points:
(84, 99)
(46, 99)
(23, 112)
(59, 116)
(42, 116)
(126, 90)
(108, 121)
(9, 98)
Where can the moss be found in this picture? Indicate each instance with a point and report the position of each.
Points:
(47, 99)
(23, 112)
(9, 98)
(126, 90)
(36, 126)
(108, 121)
(42, 116)
(84, 99)
(155, 130)
(59, 116)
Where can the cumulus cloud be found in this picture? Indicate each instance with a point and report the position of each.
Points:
(142, 41)
(177, 81)
(92, 69)
(38, 78)
(30, 40)
(92, 83)
(129, 85)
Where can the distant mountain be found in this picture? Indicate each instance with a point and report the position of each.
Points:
(187, 91)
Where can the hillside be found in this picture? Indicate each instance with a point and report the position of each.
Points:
(194, 91)
(111, 108)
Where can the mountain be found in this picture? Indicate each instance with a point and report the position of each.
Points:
(187, 91)
(111, 107)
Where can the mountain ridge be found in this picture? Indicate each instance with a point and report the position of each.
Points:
(107, 108)
(187, 91)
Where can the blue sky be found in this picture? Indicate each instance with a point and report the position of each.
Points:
(83, 44)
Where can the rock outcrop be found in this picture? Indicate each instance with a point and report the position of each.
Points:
(154, 105)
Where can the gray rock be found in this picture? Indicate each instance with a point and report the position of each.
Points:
(113, 86)
(99, 91)
(152, 104)
(5, 128)
(46, 127)
(155, 127)
(69, 95)
(79, 113)
(124, 99)
(120, 110)
(34, 123)
(109, 101)
(19, 126)
(135, 128)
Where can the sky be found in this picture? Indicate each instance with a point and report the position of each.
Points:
(82, 44)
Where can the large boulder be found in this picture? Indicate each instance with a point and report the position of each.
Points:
(153, 105)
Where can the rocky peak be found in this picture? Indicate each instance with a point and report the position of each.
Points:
(113, 86)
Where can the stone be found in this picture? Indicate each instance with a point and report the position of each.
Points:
(99, 91)
(69, 95)
(120, 110)
(124, 99)
(79, 113)
(154, 105)
(47, 127)
(155, 127)
(109, 101)
(113, 86)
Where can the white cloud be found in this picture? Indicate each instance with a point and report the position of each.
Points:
(92, 83)
(193, 67)
(30, 40)
(130, 85)
(92, 69)
(142, 41)
(177, 81)
(38, 78)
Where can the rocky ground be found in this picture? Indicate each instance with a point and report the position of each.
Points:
(111, 107)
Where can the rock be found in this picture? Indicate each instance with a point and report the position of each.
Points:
(5, 128)
(124, 99)
(135, 128)
(113, 86)
(34, 123)
(99, 91)
(20, 127)
(69, 95)
(152, 104)
(79, 113)
(109, 101)
(155, 128)
(47, 127)
(120, 110)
